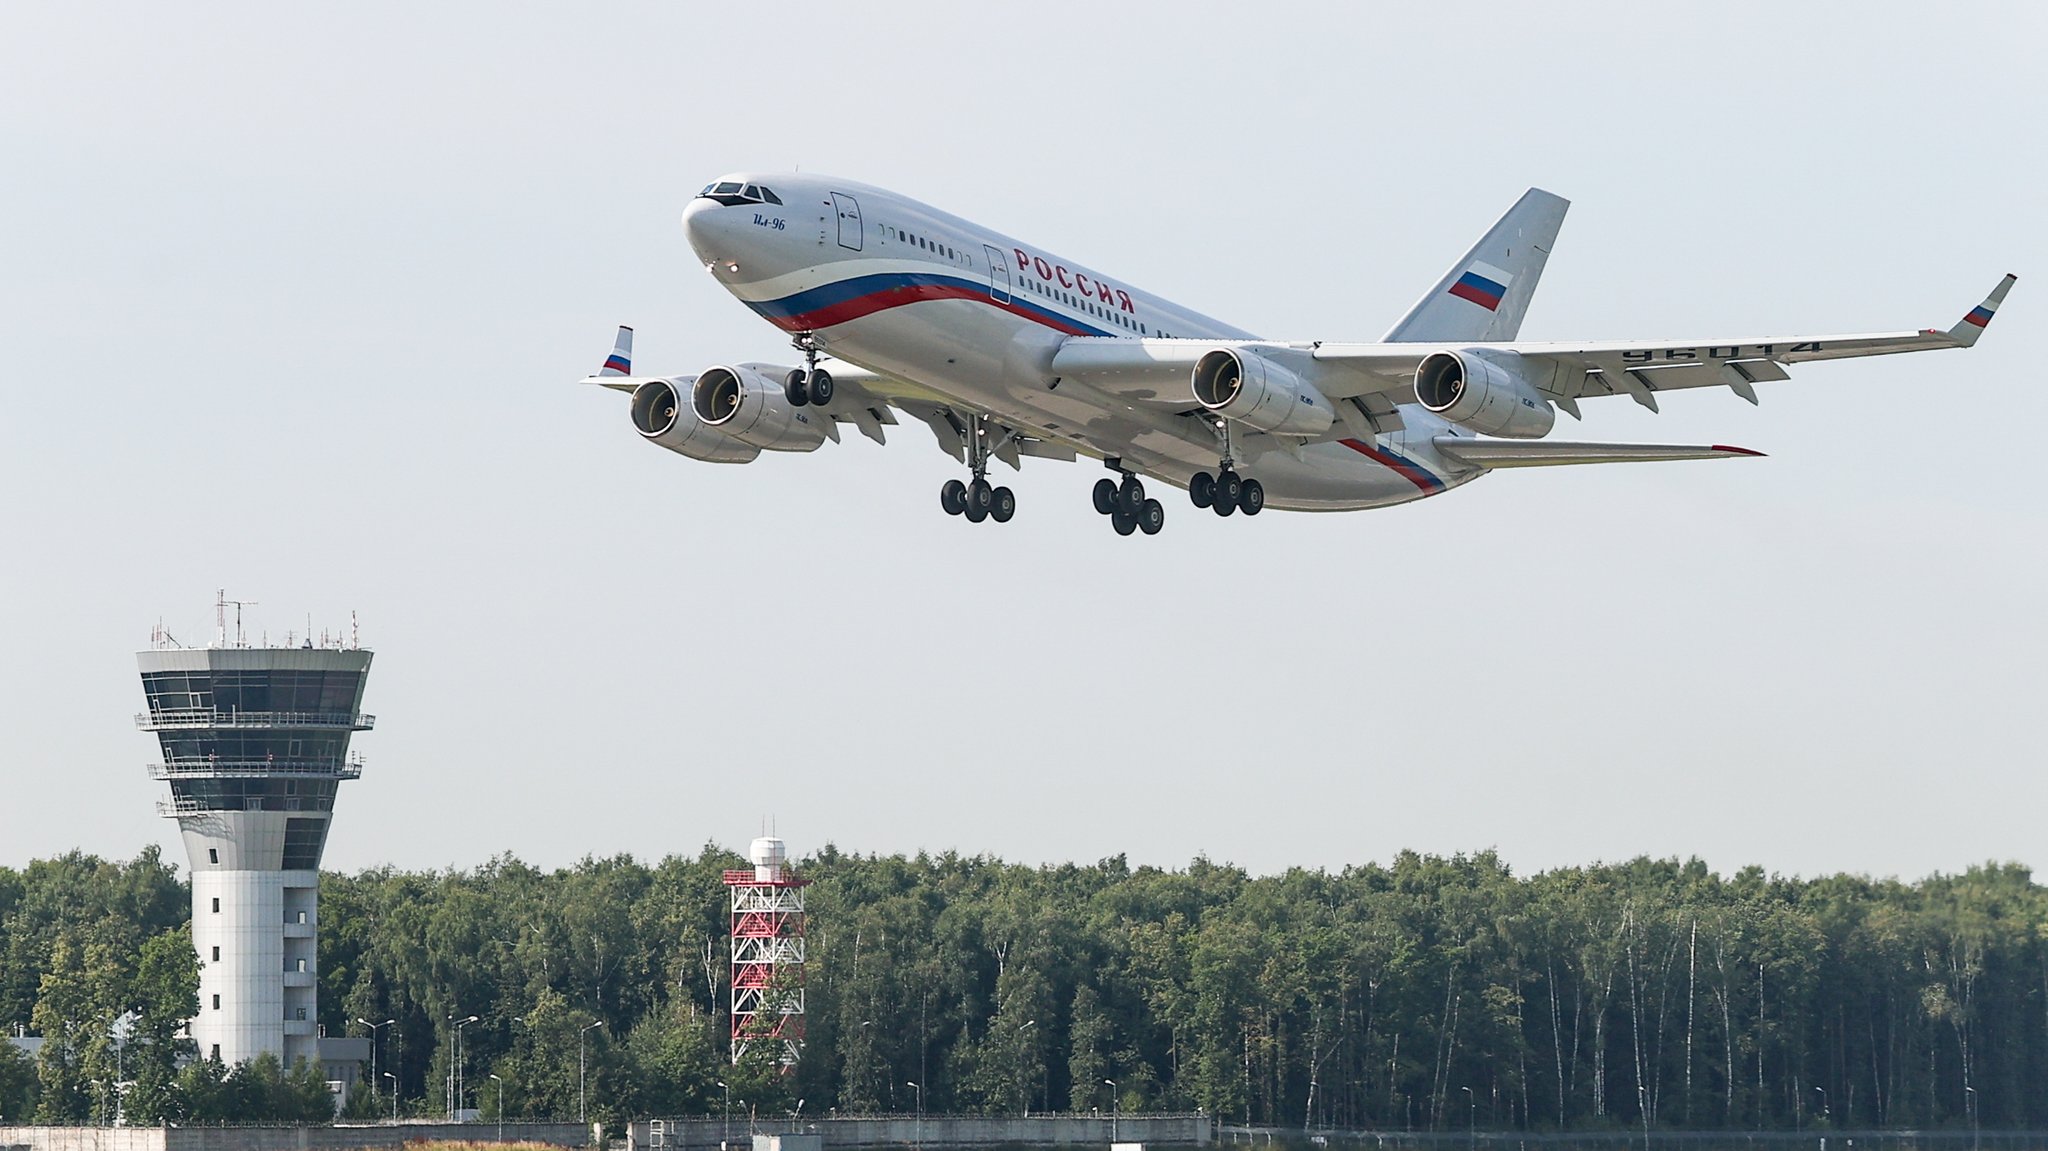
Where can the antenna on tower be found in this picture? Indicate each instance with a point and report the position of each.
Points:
(220, 617)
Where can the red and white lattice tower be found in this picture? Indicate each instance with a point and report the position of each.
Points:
(767, 953)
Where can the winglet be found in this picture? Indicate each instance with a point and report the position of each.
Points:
(1971, 326)
(620, 362)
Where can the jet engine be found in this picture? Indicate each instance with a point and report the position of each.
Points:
(660, 415)
(1260, 394)
(1485, 392)
(751, 408)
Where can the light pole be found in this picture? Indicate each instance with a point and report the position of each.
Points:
(725, 1117)
(918, 1136)
(373, 1046)
(394, 1095)
(1823, 1101)
(1970, 1097)
(1114, 1103)
(1471, 1117)
(579, 1070)
(455, 1075)
(1023, 1097)
(501, 1108)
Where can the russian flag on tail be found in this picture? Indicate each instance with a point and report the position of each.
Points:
(1483, 284)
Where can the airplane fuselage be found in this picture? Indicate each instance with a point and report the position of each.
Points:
(899, 287)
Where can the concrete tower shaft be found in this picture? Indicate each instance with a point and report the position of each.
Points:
(255, 743)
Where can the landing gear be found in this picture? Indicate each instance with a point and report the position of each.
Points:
(809, 384)
(1226, 493)
(1126, 504)
(977, 500)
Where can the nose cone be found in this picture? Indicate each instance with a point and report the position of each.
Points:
(704, 227)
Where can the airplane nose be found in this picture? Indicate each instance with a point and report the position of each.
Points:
(699, 227)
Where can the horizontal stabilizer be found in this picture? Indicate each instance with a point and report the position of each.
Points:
(1556, 453)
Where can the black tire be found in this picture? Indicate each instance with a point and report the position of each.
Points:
(980, 495)
(1229, 488)
(1223, 509)
(1152, 518)
(794, 389)
(1130, 498)
(975, 513)
(1002, 505)
(1105, 495)
(1202, 489)
(953, 497)
(1252, 499)
(1123, 524)
(821, 387)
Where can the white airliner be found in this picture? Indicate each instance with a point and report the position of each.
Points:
(1006, 350)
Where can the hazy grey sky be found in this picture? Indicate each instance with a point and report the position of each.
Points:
(291, 298)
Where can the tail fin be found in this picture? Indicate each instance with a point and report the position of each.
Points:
(620, 362)
(1486, 294)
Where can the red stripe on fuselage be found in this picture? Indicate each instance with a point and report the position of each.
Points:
(1407, 471)
(896, 297)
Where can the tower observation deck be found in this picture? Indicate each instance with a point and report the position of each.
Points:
(255, 742)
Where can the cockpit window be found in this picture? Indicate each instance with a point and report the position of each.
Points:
(730, 192)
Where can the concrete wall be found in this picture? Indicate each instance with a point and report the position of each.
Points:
(938, 1131)
(337, 1138)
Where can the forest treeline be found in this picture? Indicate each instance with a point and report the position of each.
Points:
(1427, 994)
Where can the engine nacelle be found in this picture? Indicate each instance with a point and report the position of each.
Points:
(1260, 394)
(1485, 392)
(660, 415)
(751, 408)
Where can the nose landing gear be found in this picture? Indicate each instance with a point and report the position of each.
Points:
(809, 384)
(978, 500)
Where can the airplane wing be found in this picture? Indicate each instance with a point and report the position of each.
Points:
(1377, 377)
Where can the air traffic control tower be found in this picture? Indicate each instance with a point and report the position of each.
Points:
(255, 743)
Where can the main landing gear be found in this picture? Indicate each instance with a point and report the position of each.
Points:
(978, 500)
(1226, 492)
(809, 384)
(1126, 504)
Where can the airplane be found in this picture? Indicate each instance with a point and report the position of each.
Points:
(1006, 350)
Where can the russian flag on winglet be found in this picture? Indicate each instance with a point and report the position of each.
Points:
(1979, 315)
(1483, 284)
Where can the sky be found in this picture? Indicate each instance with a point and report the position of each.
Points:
(292, 299)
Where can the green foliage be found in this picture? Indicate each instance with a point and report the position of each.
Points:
(18, 1085)
(1650, 993)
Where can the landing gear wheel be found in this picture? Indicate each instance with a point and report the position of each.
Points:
(1123, 524)
(1202, 489)
(975, 513)
(821, 387)
(1222, 507)
(794, 388)
(1131, 497)
(979, 496)
(1105, 495)
(1229, 489)
(953, 497)
(1252, 497)
(1152, 517)
(1002, 505)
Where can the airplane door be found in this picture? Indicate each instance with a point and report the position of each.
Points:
(998, 274)
(849, 220)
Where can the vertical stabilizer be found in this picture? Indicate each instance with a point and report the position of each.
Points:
(1487, 292)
